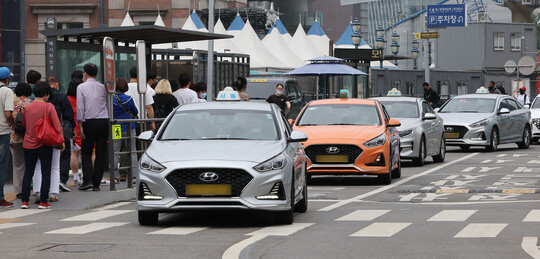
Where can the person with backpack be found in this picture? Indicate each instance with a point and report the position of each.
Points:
(124, 108)
(164, 101)
(493, 89)
(522, 96)
(22, 98)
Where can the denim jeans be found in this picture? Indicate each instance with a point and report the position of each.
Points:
(31, 156)
(4, 156)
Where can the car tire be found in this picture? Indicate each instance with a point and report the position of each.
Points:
(442, 152)
(421, 160)
(148, 218)
(302, 205)
(286, 217)
(526, 138)
(493, 141)
(396, 173)
(465, 147)
(386, 178)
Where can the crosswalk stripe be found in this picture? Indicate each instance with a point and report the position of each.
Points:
(452, 215)
(481, 230)
(85, 229)
(386, 229)
(14, 225)
(533, 216)
(16, 213)
(176, 231)
(285, 230)
(115, 205)
(363, 215)
(96, 215)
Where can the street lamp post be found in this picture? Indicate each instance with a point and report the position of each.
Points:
(381, 43)
(415, 53)
(395, 45)
(356, 40)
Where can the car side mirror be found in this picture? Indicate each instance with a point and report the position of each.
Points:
(393, 123)
(291, 121)
(429, 116)
(291, 97)
(436, 109)
(504, 111)
(527, 106)
(146, 136)
(297, 136)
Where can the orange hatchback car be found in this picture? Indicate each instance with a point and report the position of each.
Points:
(350, 137)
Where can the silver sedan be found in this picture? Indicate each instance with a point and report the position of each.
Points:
(421, 131)
(485, 120)
(223, 155)
(535, 114)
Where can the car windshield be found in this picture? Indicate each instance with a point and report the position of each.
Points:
(469, 105)
(340, 114)
(401, 109)
(536, 104)
(221, 125)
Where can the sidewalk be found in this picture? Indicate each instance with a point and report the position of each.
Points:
(79, 200)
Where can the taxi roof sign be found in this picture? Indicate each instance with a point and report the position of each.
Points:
(259, 80)
(228, 94)
(394, 92)
(343, 93)
(482, 90)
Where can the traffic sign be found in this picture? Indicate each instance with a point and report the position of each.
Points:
(117, 131)
(426, 35)
(451, 15)
(510, 66)
(108, 56)
(526, 65)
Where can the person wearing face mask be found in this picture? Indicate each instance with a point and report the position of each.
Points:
(280, 99)
(200, 89)
(430, 95)
(522, 96)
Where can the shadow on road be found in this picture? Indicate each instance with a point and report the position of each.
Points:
(217, 219)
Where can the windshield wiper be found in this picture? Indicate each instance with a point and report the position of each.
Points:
(176, 139)
(468, 111)
(225, 139)
(342, 124)
(308, 124)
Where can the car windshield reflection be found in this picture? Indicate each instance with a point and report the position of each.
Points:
(469, 105)
(221, 125)
(401, 109)
(340, 114)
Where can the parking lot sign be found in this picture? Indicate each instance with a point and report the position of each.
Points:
(453, 15)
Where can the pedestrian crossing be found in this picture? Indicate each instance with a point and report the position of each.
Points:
(379, 223)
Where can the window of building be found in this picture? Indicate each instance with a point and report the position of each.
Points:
(146, 23)
(498, 41)
(462, 87)
(396, 84)
(444, 89)
(515, 42)
(410, 88)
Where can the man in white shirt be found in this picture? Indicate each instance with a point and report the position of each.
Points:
(148, 96)
(184, 95)
(522, 96)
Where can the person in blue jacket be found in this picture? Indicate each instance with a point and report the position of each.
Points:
(124, 108)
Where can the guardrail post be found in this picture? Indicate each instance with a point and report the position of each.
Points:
(130, 169)
(112, 166)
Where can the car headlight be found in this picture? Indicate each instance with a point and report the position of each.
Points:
(481, 123)
(536, 122)
(274, 163)
(378, 141)
(403, 133)
(147, 163)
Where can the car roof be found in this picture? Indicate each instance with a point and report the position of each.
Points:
(398, 98)
(484, 96)
(221, 105)
(343, 101)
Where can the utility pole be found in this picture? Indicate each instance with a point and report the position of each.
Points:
(210, 72)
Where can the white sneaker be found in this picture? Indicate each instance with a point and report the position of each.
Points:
(77, 181)
(103, 181)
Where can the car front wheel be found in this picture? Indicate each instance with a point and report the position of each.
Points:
(148, 218)
(442, 152)
(526, 138)
(494, 141)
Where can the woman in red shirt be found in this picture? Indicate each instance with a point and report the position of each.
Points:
(33, 150)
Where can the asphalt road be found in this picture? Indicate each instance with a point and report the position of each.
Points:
(475, 205)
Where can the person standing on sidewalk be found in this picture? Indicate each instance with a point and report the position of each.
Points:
(32, 77)
(148, 96)
(93, 119)
(33, 149)
(22, 92)
(6, 124)
(65, 114)
(75, 143)
(184, 95)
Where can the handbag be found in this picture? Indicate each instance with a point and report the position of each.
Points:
(125, 108)
(45, 132)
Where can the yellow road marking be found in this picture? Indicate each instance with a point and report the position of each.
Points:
(518, 191)
(2, 221)
(452, 191)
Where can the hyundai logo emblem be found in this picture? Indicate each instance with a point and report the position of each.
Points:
(208, 177)
(332, 150)
(449, 129)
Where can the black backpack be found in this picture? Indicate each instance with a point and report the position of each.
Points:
(19, 128)
(501, 89)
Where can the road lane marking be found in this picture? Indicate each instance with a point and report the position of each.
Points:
(363, 215)
(452, 191)
(533, 216)
(530, 245)
(480, 230)
(116, 205)
(518, 191)
(235, 250)
(386, 229)
(85, 229)
(14, 225)
(96, 215)
(11, 214)
(452, 215)
(176, 231)
(400, 182)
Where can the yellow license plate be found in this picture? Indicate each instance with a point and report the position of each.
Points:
(208, 190)
(332, 158)
(451, 135)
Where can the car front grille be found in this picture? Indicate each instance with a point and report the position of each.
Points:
(352, 151)
(462, 130)
(237, 178)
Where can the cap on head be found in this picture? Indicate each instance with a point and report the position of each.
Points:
(523, 88)
(5, 73)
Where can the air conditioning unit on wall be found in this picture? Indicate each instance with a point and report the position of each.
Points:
(482, 17)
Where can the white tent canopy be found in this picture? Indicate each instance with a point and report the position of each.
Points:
(277, 46)
(224, 45)
(300, 45)
(248, 41)
(319, 39)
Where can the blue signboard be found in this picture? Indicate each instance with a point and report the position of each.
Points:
(451, 15)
